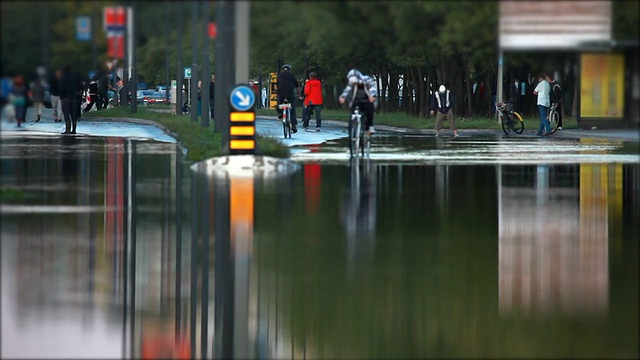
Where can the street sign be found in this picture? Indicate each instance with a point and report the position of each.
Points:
(114, 18)
(242, 129)
(83, 28)
(92, 74)
(187, 72)
(242, 98)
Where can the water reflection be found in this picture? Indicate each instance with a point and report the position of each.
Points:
(373, 260)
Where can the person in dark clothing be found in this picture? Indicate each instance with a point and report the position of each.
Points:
(442, 102)
(18, 97)
(289, 89)
(93, 95)
(80, 96)
(54, 90)
(212, 88)
(69, 90)
(555, 97)
(104, 85)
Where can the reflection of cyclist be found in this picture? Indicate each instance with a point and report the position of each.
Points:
(361, 90)
(289, 89)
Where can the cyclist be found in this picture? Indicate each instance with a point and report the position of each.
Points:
(361, 90)
(289, 89)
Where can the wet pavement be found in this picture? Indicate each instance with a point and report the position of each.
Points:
(483, 246)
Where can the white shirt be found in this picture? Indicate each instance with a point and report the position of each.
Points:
(543, 93)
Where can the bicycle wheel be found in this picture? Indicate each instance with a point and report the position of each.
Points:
(554, 119)
(517, 123)
(506, 128)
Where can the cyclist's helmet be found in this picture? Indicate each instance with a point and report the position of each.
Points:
(286, 67)
(442, 89)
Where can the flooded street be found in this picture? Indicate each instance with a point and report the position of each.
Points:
(481, 247)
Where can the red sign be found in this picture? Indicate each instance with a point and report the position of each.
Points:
(213, 30)
(115, 43)
(114, 17)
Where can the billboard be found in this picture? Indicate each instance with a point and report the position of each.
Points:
(531, 25)
(602, 85)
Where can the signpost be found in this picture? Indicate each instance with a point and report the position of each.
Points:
(83, 28)
(242, 129)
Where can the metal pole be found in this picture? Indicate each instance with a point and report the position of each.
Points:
(242, 40)
(500, 77)
(94, 33)
(206, 65)
(204, 236)
(178, 296)
(134, 71)
(194, 61)
(225, 58)
(45, 35)
(167, 81)
(180, 74)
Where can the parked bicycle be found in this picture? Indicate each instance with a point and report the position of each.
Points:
(359, 139)
(554, 118)
(286, 118)
(186, 109)
(511, 120)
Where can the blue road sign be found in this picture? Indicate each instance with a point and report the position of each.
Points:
(242, 97)
(92, 74)
(83, 28)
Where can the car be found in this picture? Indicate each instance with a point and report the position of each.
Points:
(161, 88)
(158, 98)
(143, 85)
(143, 96)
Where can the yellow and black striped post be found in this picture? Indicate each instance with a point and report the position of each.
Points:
(242, 121)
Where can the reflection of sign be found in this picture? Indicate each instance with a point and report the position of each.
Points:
(187, 72)
(553, 24)
(602, 86)
(213, 30)
(83, 28)
(242, 98)
(115, 45)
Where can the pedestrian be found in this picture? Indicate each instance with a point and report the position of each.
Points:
(288, 89)
(312, 101)
(212, 88)
(442, 103)
(37, 96)
(555, 96)
(54, 91)
(199, 97)
(542, 90)
(80, 96)
(93, 95)
(264, 97)
(69, 90)
(104, 85)
(18, 98)
(254, 87)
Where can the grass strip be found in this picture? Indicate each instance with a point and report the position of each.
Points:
(201, 142)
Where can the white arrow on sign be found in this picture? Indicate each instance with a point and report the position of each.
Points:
(244, 100)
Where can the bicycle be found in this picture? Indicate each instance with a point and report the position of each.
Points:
(359, 139)
(286, 118)
(554, 118)
(186, 109)
(511, 120)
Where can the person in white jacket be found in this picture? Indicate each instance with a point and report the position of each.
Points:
(361, 90)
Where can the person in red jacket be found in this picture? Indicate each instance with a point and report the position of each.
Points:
(312, 101)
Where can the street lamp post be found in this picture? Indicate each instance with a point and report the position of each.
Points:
(194, 61)
(206, 66)
(167, 42)
(179, 80)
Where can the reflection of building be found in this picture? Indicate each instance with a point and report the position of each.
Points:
(553, 239)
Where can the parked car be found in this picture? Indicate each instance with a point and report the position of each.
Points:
(143, 86)
(161, 88)
(143, 96)
(158, 98)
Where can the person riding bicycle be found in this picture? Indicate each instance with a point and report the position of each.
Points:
(289, 89)
(361, 90)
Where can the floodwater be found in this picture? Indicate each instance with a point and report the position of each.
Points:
(373, 260)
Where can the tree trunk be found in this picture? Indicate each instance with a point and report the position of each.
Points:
(422, 95)
(469, 89)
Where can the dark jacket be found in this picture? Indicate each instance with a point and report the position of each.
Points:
(70, 86)
(287, 83)
(212, 89)
(445, 102)
(54, 86)
(555, 92)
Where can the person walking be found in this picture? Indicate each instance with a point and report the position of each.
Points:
(54, 91)
(212, 88)
(312, 101)
(555, 97)
(288, 89)
(442, 102)
(542, 90)
(18, 98)
(37, 96)
(69, 93)
(93, 95)
(104, 85)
